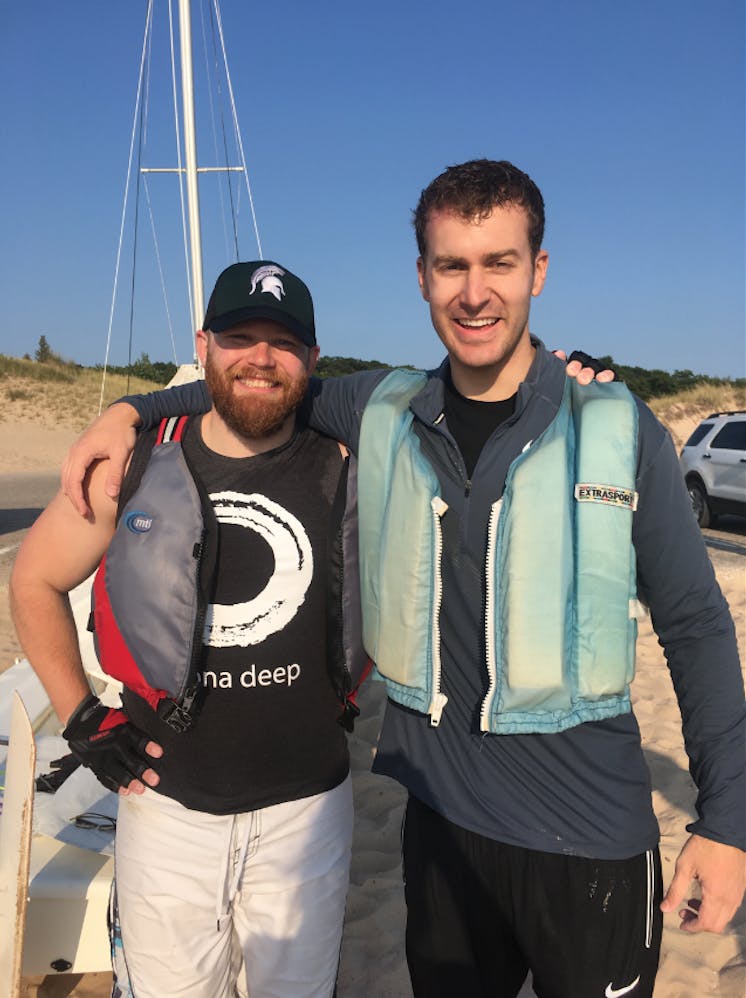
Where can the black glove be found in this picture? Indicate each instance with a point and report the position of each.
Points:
(49, 783)
(587, 361)
(106, 742)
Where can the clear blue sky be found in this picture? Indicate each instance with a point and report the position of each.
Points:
(629, 116)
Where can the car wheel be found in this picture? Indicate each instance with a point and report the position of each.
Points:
(700, 507)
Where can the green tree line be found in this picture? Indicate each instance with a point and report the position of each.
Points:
(645, 383)
(333, 367)
(159, 371)
(656, 384)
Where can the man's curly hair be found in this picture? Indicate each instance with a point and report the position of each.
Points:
(471, 190)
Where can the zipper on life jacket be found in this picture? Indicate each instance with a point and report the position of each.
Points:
(489, 610)
(489, 615)
(439, 699)
(338, 668)
(184, 710)
(181, 713)
(346, 694)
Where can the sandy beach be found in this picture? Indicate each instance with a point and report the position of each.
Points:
(372, 964)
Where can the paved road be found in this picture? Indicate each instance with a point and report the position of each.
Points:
(22, 498)
(730, 535)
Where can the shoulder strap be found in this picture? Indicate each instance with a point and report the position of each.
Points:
(169, 430)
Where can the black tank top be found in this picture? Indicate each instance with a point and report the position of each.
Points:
(267, 731)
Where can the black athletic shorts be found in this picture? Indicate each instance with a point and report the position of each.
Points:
(482, 914)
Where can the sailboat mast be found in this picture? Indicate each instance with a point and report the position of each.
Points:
(190, 152)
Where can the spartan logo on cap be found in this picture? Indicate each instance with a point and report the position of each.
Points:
(269, 279)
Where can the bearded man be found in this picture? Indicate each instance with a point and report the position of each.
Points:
(212, 606)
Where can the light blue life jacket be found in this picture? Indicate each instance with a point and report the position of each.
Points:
(560, 566)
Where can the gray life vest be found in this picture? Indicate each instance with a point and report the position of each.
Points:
(156, 580)
(151, 591)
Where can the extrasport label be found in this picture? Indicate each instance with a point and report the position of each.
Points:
(607, 495)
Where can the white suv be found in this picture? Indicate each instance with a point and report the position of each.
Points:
(714, 464)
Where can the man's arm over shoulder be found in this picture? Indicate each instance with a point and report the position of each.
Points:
(188, 399)
(112, 436)
(336, 405)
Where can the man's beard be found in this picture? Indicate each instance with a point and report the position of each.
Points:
(252, 416)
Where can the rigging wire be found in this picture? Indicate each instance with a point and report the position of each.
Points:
(141, 115)
(134, 241)
(142, 143)
(148, 23)
(164, 292)
(236, 128)
(218, 85)
(142, 179)
(196, 320)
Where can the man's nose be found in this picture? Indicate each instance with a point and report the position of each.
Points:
(260, 354)
(474, 293)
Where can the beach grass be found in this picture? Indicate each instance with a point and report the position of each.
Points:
(60, 393)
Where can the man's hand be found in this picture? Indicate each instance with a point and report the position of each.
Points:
(584, 367)
(113, 748)
(721, 872)
(110, 436)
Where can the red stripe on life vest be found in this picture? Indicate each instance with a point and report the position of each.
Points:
(177, 432)
(367, 669)
(113, 654)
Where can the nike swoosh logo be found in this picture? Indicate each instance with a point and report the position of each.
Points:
(611, 992)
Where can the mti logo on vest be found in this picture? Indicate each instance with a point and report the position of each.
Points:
(138, 521)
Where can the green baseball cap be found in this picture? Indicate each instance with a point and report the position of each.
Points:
(261, 289)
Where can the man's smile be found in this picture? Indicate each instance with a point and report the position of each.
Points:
(260, 384)
(488, 322)
(477, 323)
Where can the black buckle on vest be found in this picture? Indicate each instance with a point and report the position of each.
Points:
(347, 718)
(180, 716)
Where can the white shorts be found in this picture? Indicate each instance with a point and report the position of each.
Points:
(198, 894)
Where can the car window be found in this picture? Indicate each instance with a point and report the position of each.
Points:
(702, 430)
(732, 436)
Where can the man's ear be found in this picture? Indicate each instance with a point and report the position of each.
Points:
(421, 280)
(313, 359)
(540, 272)
(200, 342)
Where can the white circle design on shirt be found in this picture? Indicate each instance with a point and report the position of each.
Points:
(244, 624)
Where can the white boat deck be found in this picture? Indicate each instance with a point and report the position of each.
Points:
(54, 876)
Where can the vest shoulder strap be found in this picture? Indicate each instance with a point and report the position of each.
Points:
(169, 430)
(398, 388)
(386, 418)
